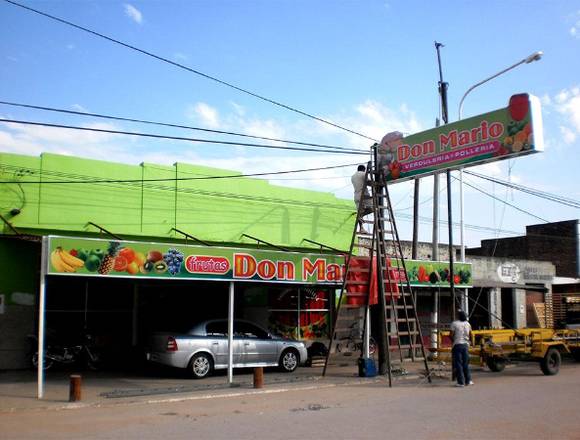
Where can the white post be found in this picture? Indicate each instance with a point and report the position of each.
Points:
(465, 298)
(231, 335)
(41, 306)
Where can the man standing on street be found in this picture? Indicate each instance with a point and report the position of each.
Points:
(461, 335)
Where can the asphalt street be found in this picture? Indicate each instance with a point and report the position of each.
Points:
(519, 403)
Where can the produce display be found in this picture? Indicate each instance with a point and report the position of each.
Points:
(116, 259)
(519, 129)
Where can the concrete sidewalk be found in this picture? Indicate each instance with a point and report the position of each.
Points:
(18, 389)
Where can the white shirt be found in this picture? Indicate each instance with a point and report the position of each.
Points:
(358, 183)
(460, 331)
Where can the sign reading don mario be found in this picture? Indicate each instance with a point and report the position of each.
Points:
(310, 269)
(509, 132)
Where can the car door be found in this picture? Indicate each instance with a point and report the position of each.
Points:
(217, 334)
(258, 346)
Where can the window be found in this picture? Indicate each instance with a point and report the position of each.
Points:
(247, 330)
(217, 328)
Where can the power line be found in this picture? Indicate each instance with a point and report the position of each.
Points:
(139, 185)
(165, 124)
(503, 201)
(189, 69)
(180, 138)
(175, 179)
(541, 194)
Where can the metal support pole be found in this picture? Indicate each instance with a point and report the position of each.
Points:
(465, 293)
(435, 236)
(383, 345)
(231, 334)
(41, 312)
(451, 252)
(445, 115)
(415, 220)
(435, 257)
(367, 332)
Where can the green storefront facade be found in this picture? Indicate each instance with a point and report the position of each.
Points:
(283, 248)
(150, 205)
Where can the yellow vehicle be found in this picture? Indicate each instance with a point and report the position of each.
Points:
(496, 347)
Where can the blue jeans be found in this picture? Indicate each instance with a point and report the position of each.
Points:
(461, 363)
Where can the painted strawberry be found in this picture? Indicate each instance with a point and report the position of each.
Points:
(519, 106)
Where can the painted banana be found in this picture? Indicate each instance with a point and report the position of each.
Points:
(69, 259)
(58, 263)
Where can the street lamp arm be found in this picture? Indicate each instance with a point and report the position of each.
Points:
(483, 82)
(533, 57)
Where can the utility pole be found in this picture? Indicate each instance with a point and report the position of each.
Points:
(445, 115)
(415, 220)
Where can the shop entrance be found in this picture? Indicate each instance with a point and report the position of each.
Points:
(121, 314)
(507, 308)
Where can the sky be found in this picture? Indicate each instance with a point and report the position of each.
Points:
(369, 66)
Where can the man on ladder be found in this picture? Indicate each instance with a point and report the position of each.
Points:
(399, 326)
(361, 195)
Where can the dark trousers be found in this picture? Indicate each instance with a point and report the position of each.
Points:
(461, 363)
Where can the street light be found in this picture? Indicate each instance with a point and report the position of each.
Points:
(536, 56)
(533, 57)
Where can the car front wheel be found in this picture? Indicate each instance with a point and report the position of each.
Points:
(289, 360)
(200, 366)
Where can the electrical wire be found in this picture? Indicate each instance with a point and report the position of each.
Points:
(503, 201)
(542, 194)
(180, 138)
(189, 69)
(176, 179)
(166, 124)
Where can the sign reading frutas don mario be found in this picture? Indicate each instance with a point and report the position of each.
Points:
(130, 259)
(93, 257)
(502, 134)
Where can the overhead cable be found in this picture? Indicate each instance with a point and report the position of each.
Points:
(165, 124)
(175, 179)
(181, 138)
(541, 194)
(503, 201)
(189, 69)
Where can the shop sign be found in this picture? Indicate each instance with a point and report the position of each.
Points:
(129, 259)
(502, 134)
(509, 273)
(94, 257)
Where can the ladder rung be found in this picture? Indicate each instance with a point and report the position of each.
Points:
(408, 333)
(406, 346)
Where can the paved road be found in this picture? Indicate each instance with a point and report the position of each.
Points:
(519, 403)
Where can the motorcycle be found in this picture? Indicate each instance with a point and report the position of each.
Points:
(83, 353)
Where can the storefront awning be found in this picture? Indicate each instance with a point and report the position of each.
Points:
(499, 284)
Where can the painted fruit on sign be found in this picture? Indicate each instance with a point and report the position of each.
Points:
(519, 106)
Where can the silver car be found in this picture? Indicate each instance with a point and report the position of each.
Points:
(204, 348)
